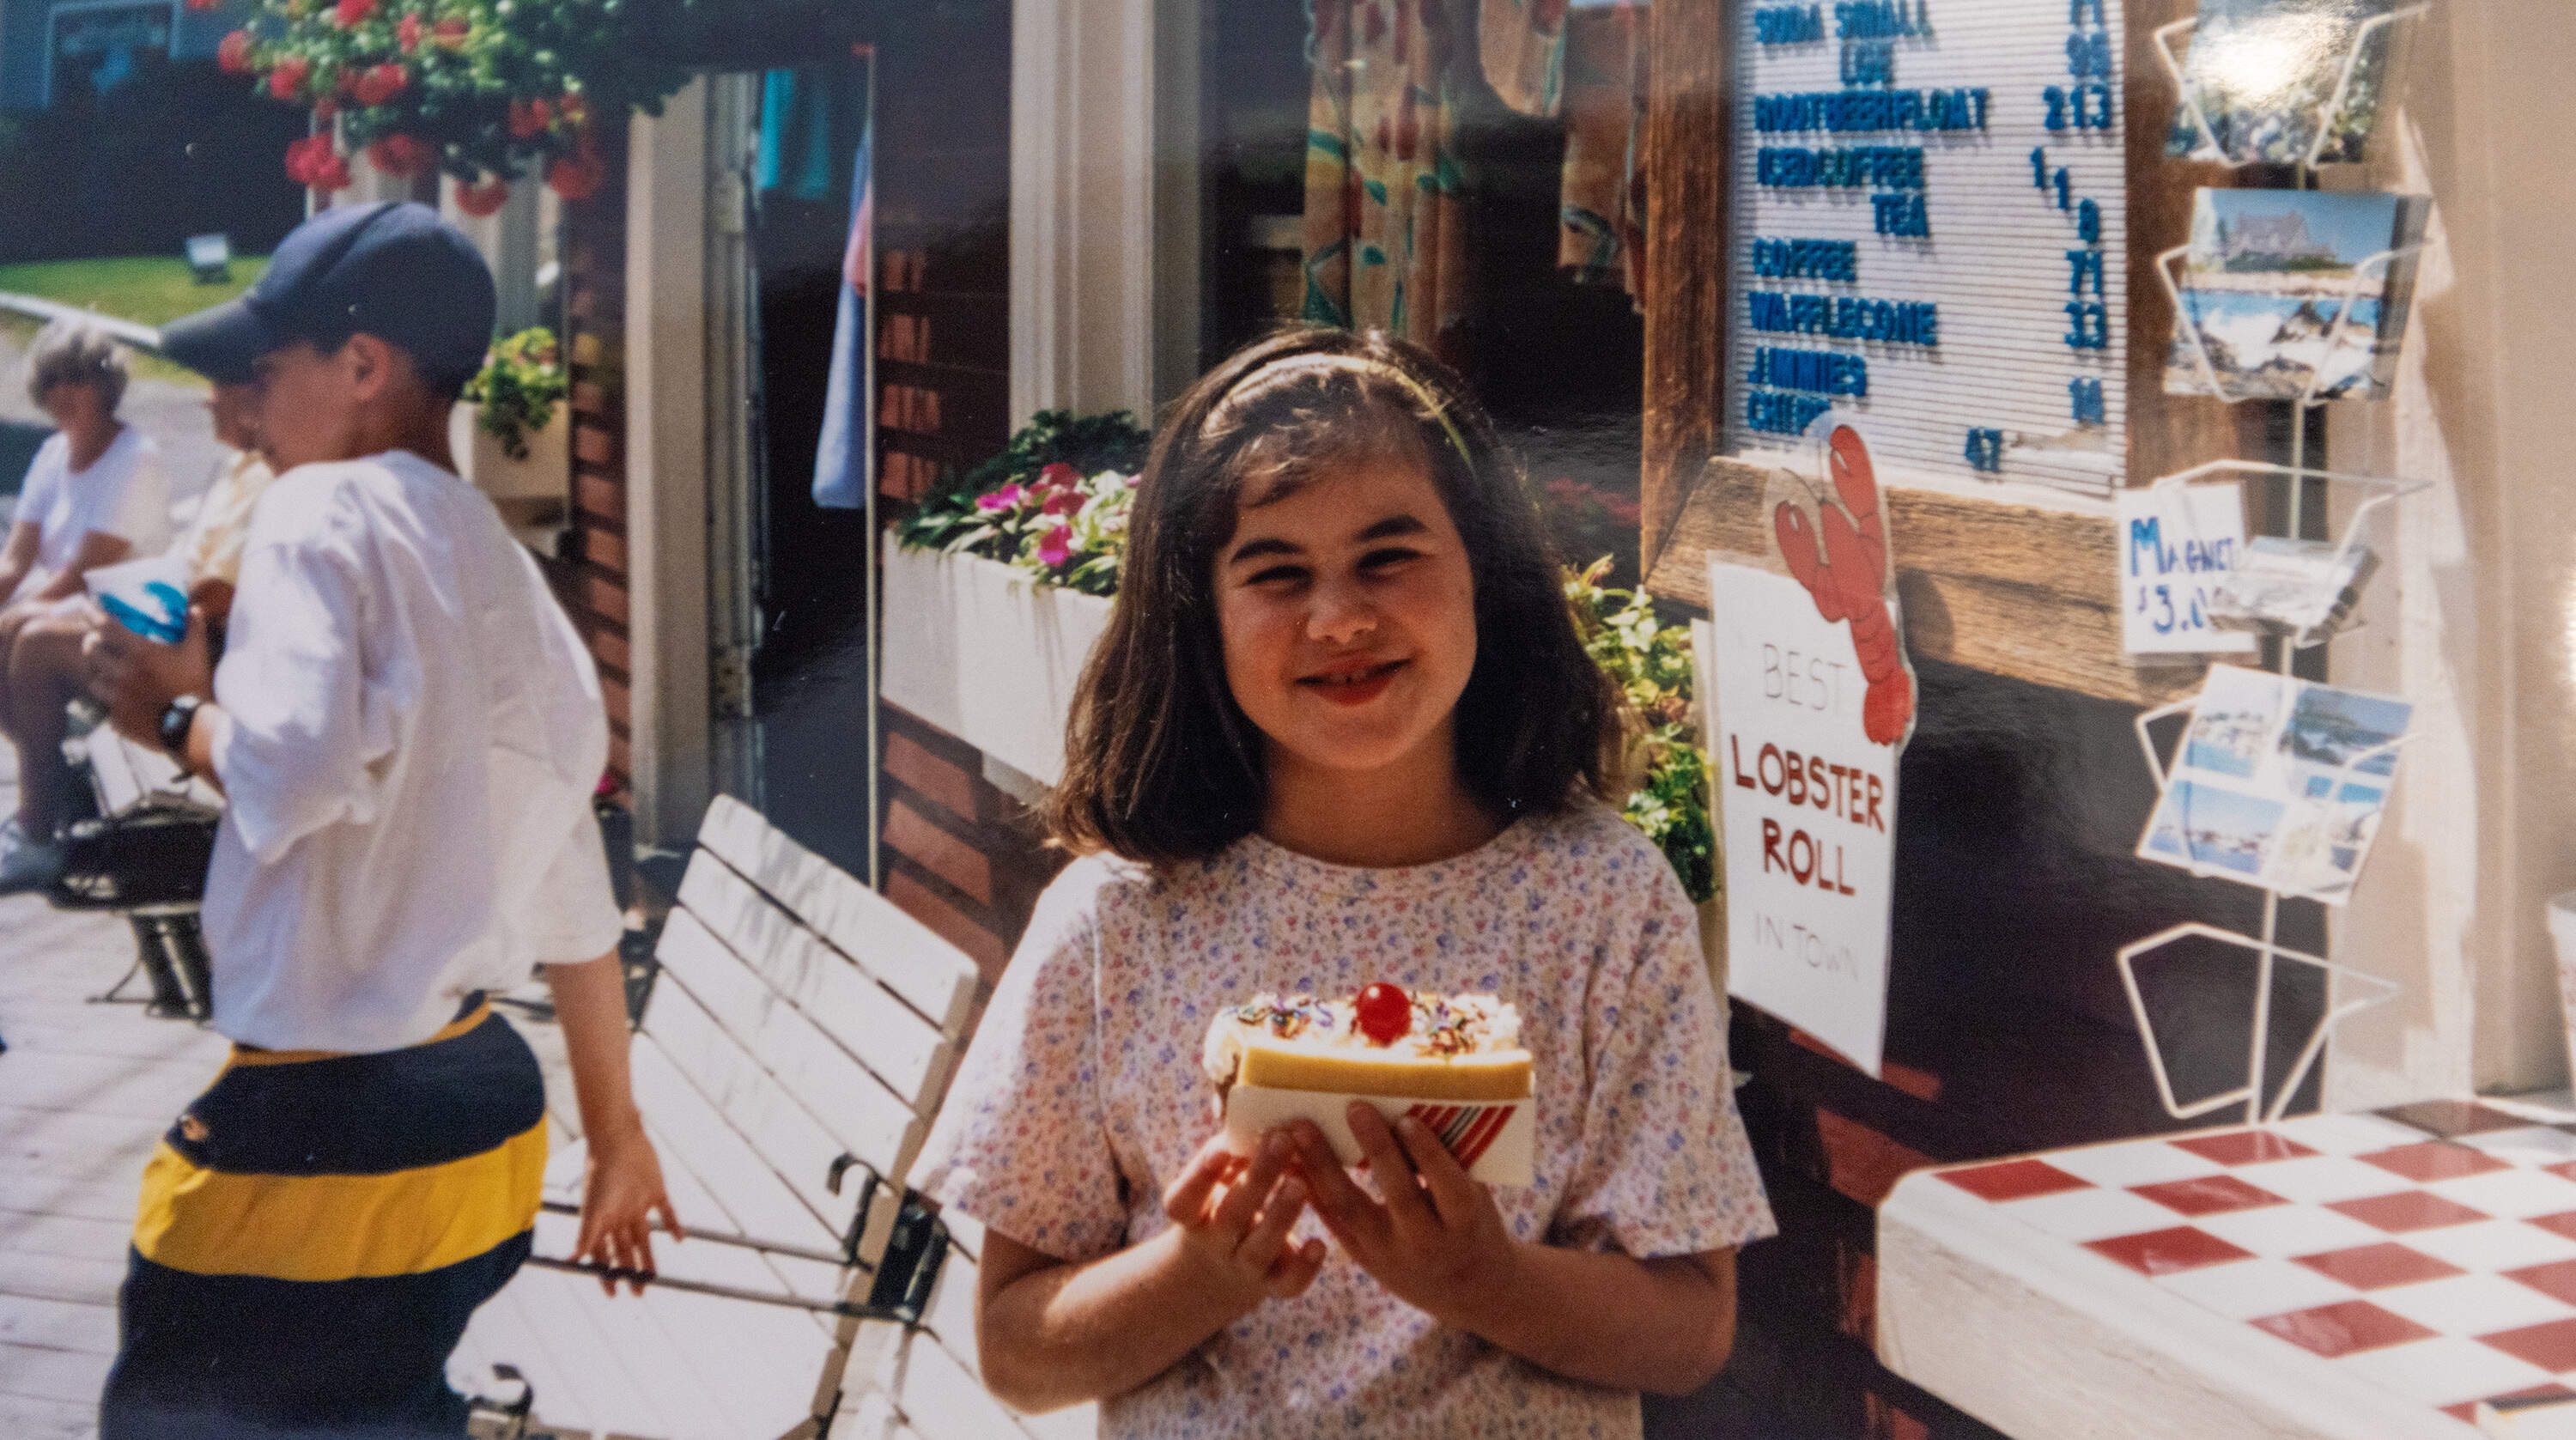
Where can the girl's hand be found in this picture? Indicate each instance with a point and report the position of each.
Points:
(1438, 1242)
(1233, 1215)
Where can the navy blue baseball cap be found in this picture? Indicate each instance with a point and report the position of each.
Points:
(394, 271)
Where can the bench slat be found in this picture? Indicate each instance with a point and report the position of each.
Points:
(758, 1201)
(950, 1315)
(845, 1099)
(793, 1144)
(907, 956)
(860, 1015)
(942, 1401)
(735, 1119)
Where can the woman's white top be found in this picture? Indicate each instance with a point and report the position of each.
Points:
(124, 492)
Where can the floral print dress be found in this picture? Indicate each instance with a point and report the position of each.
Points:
(1082, 1097)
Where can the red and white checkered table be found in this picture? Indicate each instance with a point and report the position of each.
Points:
(2332, 1275)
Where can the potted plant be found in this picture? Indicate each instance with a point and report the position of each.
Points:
(512, 435)
(998, 587)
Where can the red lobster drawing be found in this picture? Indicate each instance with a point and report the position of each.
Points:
(1849, 581)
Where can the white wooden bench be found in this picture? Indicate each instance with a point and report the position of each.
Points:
(797, 1040)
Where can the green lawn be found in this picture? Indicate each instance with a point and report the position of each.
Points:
(146, 289)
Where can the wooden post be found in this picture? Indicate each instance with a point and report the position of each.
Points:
(1689, 129)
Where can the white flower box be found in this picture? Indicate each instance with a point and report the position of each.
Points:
(984, 652)
(534, 495)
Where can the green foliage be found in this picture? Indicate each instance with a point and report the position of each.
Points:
(521, 382)
(1651, 661)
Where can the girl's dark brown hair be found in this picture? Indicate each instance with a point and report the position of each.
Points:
(1161, 765)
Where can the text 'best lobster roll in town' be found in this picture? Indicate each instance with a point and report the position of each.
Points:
(1453, 1062)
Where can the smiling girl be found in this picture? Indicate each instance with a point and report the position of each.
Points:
(1341, 731)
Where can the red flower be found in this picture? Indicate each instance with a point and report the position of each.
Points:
(399, 155)
(579, 175)
(289, 76)
(348, 13)
(202, 4)
(1061, 502)
(234, 53)
(529, 117)
(451, 32)
(1060, 475)
(324, 109)
(311, 161)
(407, 33)
(484, 199)
(380, 83)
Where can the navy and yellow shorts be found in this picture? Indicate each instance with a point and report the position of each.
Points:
(316, 1230)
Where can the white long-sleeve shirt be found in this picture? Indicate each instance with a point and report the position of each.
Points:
(409, 736)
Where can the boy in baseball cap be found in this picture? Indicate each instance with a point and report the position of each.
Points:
(407, 730)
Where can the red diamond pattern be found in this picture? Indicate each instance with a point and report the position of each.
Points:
(2407, 1210)
(2208, 1195)
(2376, 1267)
(2013, 1180)
(2561, 1225)
(2556, 1280)
(2550, 1345)
(2244, 1147)
(2166, 1252)
(2434, 1160)
(2343, 1328)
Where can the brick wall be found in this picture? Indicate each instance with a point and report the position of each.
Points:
(943, 301)
(592, 576)
(960, 856)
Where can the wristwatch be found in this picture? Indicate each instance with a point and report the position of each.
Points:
(177, 718)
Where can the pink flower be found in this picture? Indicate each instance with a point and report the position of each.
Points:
(234, 53)
(1056, 546)
(1060, 476)
(407, 33)
(350, 13)
(1006, 498)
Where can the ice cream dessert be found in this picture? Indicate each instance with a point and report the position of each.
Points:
(1380, 1042)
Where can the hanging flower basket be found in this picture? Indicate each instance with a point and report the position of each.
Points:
(484, 91)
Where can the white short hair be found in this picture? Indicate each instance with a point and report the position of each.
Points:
(73, 351)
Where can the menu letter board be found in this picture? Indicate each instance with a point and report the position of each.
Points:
(1930, 230)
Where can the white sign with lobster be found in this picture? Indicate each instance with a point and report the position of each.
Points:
(1813, 699)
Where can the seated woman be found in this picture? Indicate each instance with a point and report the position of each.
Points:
(97, 493)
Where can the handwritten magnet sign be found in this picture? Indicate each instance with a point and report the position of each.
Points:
(1813, 699)
(2176, 543)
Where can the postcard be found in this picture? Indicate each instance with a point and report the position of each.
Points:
(2261, 79)
(2280, 300)
(2299, 587)
(2280, 783)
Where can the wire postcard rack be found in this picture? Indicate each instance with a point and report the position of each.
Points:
(2209, 148)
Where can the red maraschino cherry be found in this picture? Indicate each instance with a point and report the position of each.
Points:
(1384, 1012)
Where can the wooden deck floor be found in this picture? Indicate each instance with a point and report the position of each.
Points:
(87, 1088)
